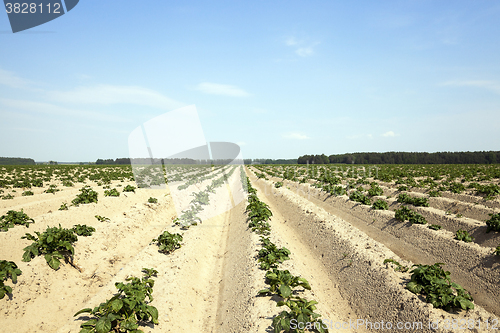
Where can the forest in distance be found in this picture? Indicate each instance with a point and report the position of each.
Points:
(477, 157)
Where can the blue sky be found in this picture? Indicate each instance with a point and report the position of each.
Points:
(280, 78)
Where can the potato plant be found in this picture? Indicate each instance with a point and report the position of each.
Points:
(167, 242)
(111, 193)
(27, 193)
(434, 283)
(13, 218)
(405, 198)
(52, 189)
(270, 255)
(126, 310)
(152, 200)
(404, 213)
(87, 195)
(129, 188)
(102, 218)
(493, 223)
(8, 270)
(282, 283)
(380, 205)
(55, 244)
(360, 197)
(463, 235)
(398, 267)
(301, 315)
(83, 230)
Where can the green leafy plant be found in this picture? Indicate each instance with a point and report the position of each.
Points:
(493, 223)
(497, 251)
(417, 219)
(83, 230)
(125, 310)
(456, 188)
(129, 188)
(435, 227)
(375, 190)
(111, 193)
(434, 193)
(201, 198)
(282, 283)
(64, 206)
(87, 195)
(434, 283)
(490, 190)
(360, 197)
(380, 205)
(55, 243)
(404, 213)
(278, 184)
(168, 242)
(67, 183)
(7, 197)
(27, 193)
(463, 235)
(13, 218)
(301, 316)
(405, 198)
(399, 267)
(152, 200)
(52, 189)
(8, 269)
(102, 218)
(270, 255)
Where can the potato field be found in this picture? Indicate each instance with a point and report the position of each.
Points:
(259, 248)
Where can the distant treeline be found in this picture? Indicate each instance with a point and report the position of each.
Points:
(476, 157)
(270, 161)
(166, 161)
(16, 161)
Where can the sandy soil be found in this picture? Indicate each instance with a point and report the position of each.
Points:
(211, 283)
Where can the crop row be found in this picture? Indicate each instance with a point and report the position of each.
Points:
(301, 313)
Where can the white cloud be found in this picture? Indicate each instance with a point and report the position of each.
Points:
(109, 94)
(302, 48)
(389, 134)
(291, 41)
(47, 108)
(295, 136)
(221, 89)
(491, 85)
(305, 51)
(12, 80)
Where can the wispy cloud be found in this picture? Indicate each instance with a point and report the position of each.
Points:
(110, 94)
(305, 51)
(295, 136)
(55, 110)
(10, 79)
(291, 41)
(389, 134)
(221, 89)
(490, 85)
(303, 48)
